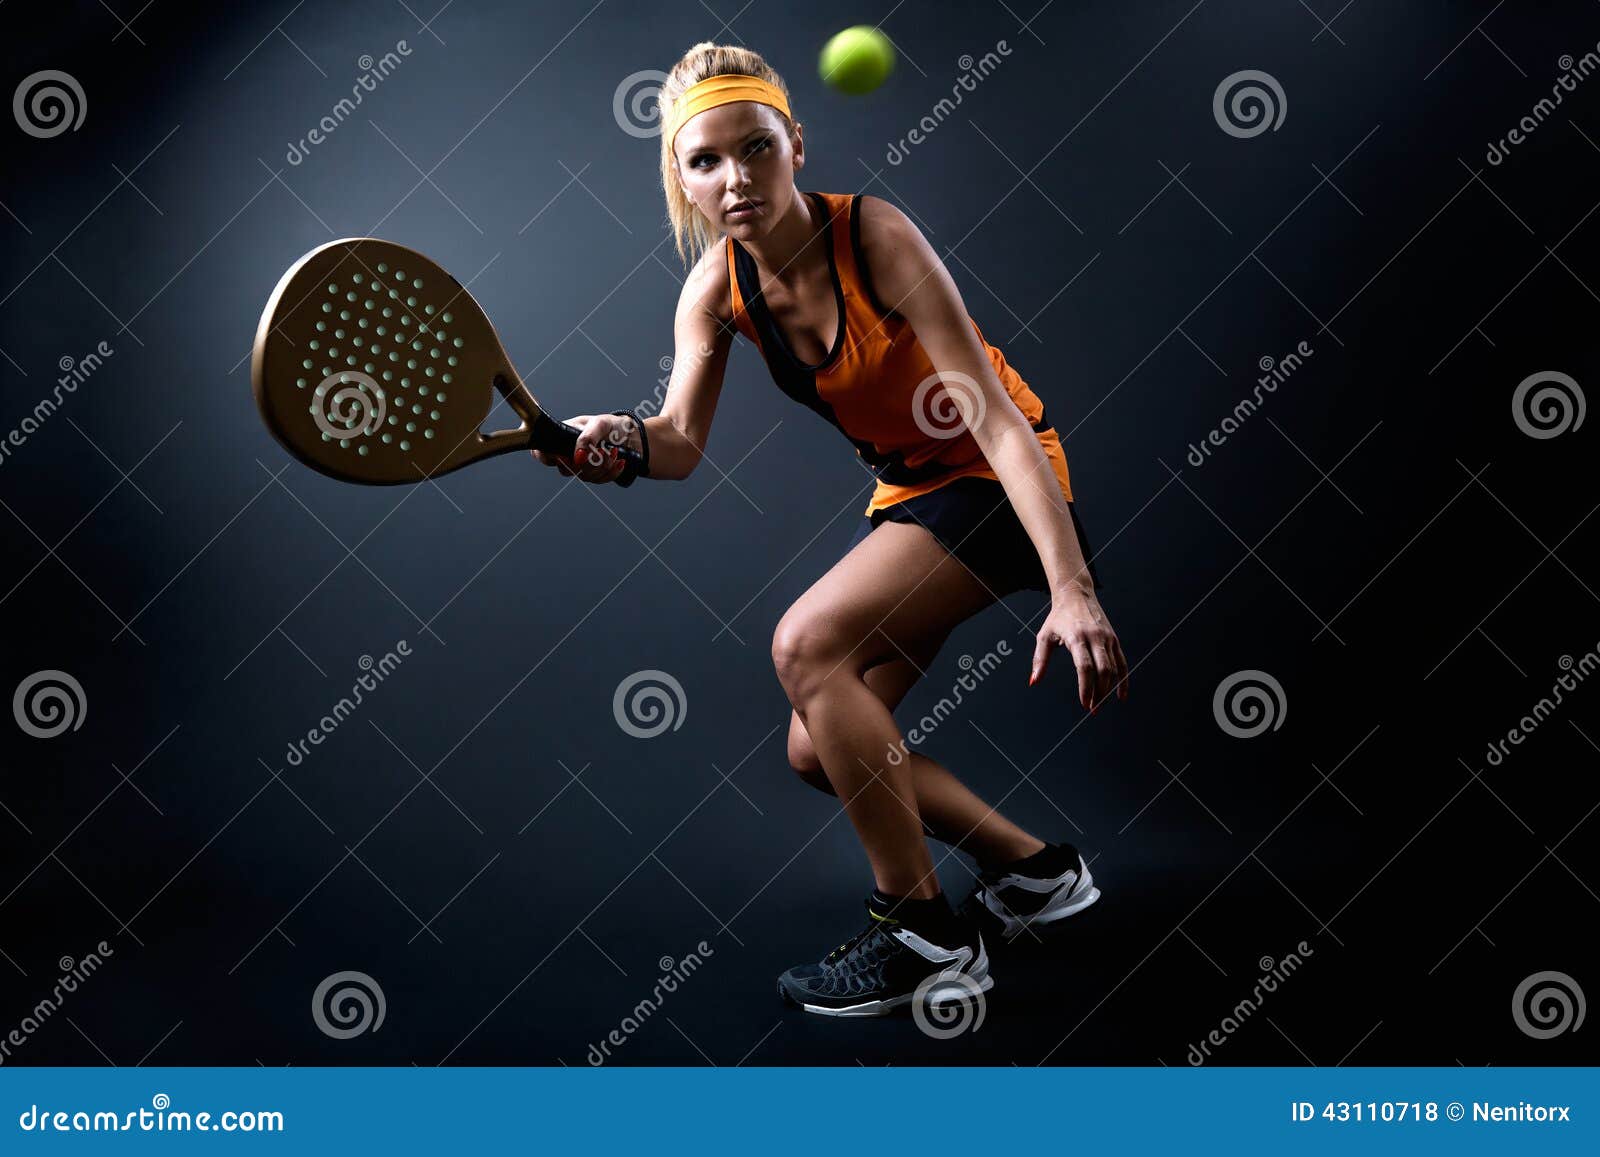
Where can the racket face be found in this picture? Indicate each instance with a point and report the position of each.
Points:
(374, 365)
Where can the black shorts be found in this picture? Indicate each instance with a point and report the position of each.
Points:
(974, 520)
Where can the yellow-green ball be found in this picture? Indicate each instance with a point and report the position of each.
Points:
(857, 60)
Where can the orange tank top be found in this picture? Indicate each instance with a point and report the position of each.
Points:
(868, 384)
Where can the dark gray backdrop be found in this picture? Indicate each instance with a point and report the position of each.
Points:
(1383, 539)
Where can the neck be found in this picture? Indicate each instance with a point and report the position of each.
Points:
(781, 254)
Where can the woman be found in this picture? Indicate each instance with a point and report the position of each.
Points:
(857, 319)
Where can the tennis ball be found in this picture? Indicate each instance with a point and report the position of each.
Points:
(856, 60)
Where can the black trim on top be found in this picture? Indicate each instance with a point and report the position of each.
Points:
(750, 290)
(794, 377)
(861, 259)
(798, 379)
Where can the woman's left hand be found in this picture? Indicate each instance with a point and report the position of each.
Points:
(1077, 623)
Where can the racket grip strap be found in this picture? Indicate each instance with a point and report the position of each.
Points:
(635, 467)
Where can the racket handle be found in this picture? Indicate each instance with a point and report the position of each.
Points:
(621, 451)
(561, 438)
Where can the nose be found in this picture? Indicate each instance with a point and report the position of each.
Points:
(738, 177)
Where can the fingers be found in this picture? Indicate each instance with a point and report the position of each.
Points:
(1041, 657)
(546, 458)
(1105, 672)
(595, 453)
(1088, 678)
(596, 465)
(1082, 659)
(587, 451)
(1100, 664)
(591, 459)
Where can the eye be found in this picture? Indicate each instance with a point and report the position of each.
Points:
(758, 146)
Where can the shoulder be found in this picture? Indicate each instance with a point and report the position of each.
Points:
(896, 257)
(881, 222)
(705, 289)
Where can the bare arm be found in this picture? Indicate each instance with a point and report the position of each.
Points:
(909, 277)
(702, 337)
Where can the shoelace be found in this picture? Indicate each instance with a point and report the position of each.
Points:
(847, 951)
(859, 970)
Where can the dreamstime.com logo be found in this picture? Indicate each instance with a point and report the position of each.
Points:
(348, 1004)
(373, 73)
(159, 1118)
(74, 372)
(946, 707)
(972, 73)
(1548, 404)
(376, 671)
(73, 973)
(1548, 1004)
(1274, 372)
(622, 432)
(636, 103)
(672, 367)
(1273, 973)
(649, 702)
(673, 973)
(48, 703)
(1568, 81)
(49, 103)
(1248, 103)
(1249, 702)
(1574, 673)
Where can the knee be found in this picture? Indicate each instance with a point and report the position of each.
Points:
(803, 757)
(804, 651)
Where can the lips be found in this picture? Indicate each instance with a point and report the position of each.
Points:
(742, 209)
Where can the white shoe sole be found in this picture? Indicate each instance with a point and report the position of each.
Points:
(951, 993)
(1058, 909)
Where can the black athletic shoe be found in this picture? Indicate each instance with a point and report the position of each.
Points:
(1049, 885)
(887, 964)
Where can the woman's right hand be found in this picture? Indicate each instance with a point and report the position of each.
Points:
(593, 459)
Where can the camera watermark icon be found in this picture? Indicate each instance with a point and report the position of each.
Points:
(348, 1004)
(1548, 1004)
(49, 703)
(945, 1006)
(1248, 703)
(49, 103)
(1548, 404)
(636, 103)
(649, 702)
(1248, 103)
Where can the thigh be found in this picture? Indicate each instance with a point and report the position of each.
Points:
(890, 680)
(889, 602)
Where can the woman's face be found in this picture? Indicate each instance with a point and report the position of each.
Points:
(736, 162)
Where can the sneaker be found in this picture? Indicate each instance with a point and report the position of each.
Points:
(887, 965)
(1049, 885)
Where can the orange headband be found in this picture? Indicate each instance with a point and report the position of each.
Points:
(719, 90)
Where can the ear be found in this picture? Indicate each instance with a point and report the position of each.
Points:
(797, 144)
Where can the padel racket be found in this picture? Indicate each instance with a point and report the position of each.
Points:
(374, 365)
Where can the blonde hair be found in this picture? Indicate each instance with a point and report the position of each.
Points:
(692, 232)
